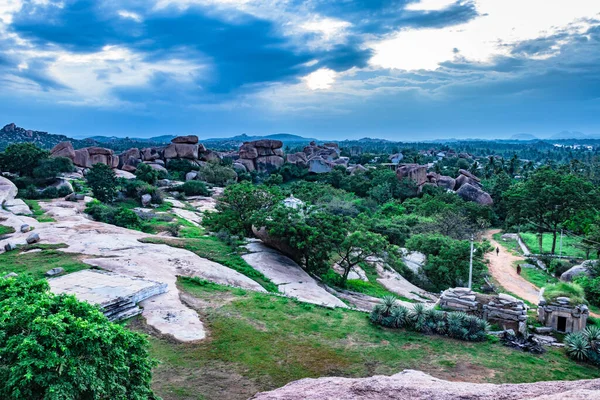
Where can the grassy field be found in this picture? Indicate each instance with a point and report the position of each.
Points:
(260, 342)
(216, 250)
(538, 277)
(25, 261)
(569, 244)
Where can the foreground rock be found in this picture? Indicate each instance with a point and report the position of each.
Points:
(416, 385)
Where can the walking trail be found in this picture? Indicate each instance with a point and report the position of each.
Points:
(502, 269)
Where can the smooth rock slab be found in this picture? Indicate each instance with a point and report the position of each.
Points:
(289, 277)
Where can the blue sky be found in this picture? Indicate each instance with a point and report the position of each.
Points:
(395, 69)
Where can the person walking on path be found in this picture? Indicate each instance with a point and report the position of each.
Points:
(497, 251)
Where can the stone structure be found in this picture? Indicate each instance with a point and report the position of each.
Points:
(560, 315)
(416, 385)
(503, 309)
(116, 294)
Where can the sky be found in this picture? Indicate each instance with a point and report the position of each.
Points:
(393, 69)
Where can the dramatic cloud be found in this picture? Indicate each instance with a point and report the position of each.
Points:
(318, 67)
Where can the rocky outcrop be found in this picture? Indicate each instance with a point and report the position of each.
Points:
(414, 172)
(318, 165)
(262, 155)
(329, 151)
(466, 177)
(416, 385)
(460, 299)
(297, 159)
(581, 269)
(63, 149)
(276, 243)
(471, 193)
(8, 190)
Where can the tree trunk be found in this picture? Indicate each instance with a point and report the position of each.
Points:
(554, 242)
(347, 269)
(540, 242)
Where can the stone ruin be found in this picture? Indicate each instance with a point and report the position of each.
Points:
(466, 185)
(503, 309)
(562, 316)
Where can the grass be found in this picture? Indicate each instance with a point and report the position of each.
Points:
(261, 342)
(36, 264)
(569, 245)
(510, 244)
(38, 212)
(216, 250)
(573, 291)
(5, 230)
(538, 277)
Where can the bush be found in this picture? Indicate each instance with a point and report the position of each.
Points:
(126, 218)
(181, 166)
(56, 347)
(194, 188)
(52, 167)
(217, 174)
(457, 325)
(119, 216)
(591, 287)
(146, 173)
(103, 181)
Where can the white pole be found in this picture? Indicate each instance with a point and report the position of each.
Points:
(560, 245)
(471, 265)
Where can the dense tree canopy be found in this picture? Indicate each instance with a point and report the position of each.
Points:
(54, 347)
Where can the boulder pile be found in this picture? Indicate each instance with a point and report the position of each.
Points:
(260, 155)
(318, 159)
(466, 185)
(417, 385)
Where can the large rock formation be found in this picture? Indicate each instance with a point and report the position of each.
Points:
(184, 147)
(415, 172)
(471, 193)
(262, 155)
(86, 157)
(580, 269)
(416, 385)
(63, 149)
(8, 190)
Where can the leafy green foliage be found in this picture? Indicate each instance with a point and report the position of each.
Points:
(103, 182)
(194, 188)
(237, 205)
(115, 215)
(146, 173)
(573, 291)
(356, 248)
(22, 158)
(55, 347)
(217, 174)
(585, 345)
(51, 167)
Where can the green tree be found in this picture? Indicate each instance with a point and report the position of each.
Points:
(22, 158)
(52, 167)
(237, 205)
(548, 199)
(356, 248)
(56, 347)
(103, 182)
(146, 173)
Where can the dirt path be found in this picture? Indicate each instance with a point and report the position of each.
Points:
(501, 268)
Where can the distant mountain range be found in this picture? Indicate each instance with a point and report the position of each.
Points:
(14, 134)
(523, 136)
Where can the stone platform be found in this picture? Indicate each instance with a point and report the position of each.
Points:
(116, 294)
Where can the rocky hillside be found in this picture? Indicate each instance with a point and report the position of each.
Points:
(15, 134)
(416, 385)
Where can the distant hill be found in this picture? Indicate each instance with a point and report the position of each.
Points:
(15, 134)
(284, 137)
(523, 136)
(568, 135)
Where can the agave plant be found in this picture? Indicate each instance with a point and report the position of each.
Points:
(398, 317)
(376, 315)
(578, 346)
(388, 303)
(592, 334)
(418, 313)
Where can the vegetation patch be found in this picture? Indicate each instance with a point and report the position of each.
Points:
(215, 250)
(35, 260)
(571, 247)
(264, 341)
(38, 212)
(5, 230)
(573, 291)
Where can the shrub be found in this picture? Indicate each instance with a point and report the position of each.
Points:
(126, 218)
(146, 173)
(457, 325)
(217, 174)
(182, 166)
(30, 192)
(101, 212)
(103, 181)
(194, 188)
(54, 346)
(584, 345)
(49, 193)
(52, 167)
(591, 287)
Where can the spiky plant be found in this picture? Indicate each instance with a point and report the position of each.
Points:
(578, 346)
(399, 316)
(592, 334)
(376, 315)
(388, 302)
(418, 313)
